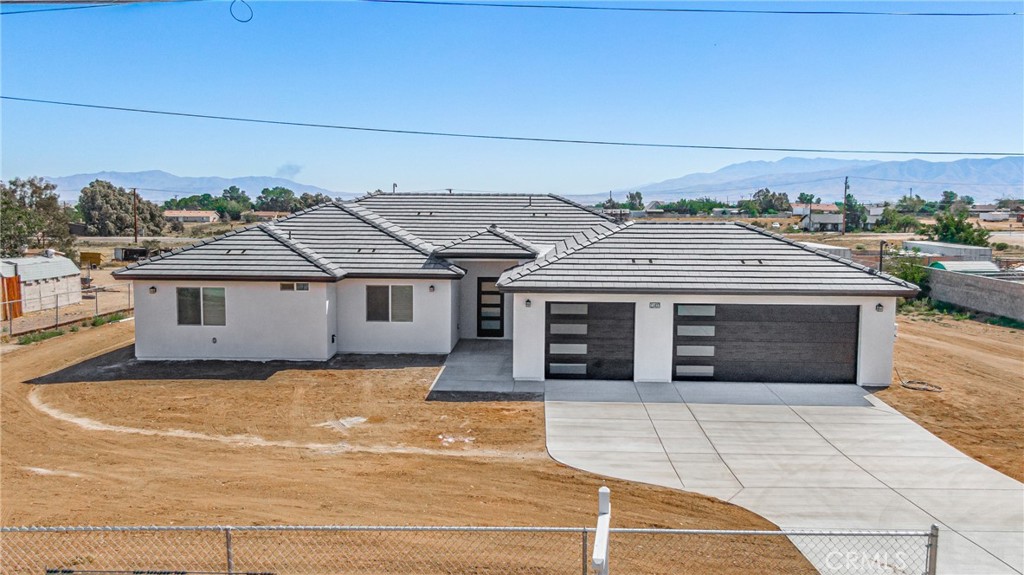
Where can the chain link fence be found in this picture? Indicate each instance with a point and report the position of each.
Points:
(452, 550)
(59, 310)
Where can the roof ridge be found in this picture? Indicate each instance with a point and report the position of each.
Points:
(462, 239)
(581, 206)
(513, 238)
(388, 227)
(555, 255)
(823, 253)
(303, 250)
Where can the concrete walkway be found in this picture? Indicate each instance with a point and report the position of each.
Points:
(802, 456)
(481, 370)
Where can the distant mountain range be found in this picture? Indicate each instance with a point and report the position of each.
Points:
(158, 186)
(984, 179)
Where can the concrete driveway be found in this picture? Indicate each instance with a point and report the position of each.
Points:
(802, 456)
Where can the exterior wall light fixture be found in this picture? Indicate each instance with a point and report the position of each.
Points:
(431, 288)
(528, 303)
(879, 307)
(152, 289)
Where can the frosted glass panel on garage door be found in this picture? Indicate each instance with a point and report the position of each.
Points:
(695, 310)
(568, 309)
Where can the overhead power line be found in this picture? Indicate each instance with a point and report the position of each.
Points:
(475, 136)
(61, 8)
(684, 10)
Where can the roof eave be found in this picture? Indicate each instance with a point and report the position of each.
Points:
(510, 288)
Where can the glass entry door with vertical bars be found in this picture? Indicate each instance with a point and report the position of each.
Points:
(490, 306)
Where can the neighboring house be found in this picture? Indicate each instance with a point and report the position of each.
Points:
(979, 209)
(817, 222)
(875, 210)
(39, 282)
(804, 209)
(578, 295)
(192, 216)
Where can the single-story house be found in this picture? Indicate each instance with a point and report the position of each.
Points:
(578, 294)
(39, 282)
(978, 209)
(817, 222)
(192, 216)
(804, 209)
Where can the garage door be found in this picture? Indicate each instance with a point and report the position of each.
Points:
(769, 343)
(589, 341)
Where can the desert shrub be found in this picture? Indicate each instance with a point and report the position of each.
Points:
(39, 336)
(1000, 246)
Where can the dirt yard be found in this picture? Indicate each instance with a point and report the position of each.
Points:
(980, 368)
(295, 446)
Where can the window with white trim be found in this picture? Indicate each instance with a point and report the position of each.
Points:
(389, 303)
(201, 306)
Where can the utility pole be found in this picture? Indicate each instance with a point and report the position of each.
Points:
(846, 194)
(135, 213)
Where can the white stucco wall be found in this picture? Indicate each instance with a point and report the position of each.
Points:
(476, 269)
(262, 323)
(429, 332)
(653, 353)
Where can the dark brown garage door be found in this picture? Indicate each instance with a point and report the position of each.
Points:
(768, 343)
(589, 341)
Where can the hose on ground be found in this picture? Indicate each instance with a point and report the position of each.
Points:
(917, 385)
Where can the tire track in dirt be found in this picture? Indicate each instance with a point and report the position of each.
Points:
(35, 399)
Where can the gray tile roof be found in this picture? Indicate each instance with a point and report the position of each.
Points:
(490, 242)
(252, 253)
(718, 258)
(364, 244)
(541, 219)
(324, 243)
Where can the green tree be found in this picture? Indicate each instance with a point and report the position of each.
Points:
(948, 198)
(892, 220)
(31, 215)
(968, 200)
(107, 211)
(910, 204)
(696, 206)
(634, 201)
(806, 198)
(308, 200)
(953, 227)
(856, 214)
(276, 199)
(1008, 203)
(765, 201)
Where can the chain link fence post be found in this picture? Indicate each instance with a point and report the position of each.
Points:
(584, 556)
(933, 550)
(230, 551)
(56, 308)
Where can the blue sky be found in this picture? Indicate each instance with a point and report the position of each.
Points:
(720, 79)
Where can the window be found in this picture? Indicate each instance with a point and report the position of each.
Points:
(302, 287)
(201, 306)
(295, 287)
(389, 303)
(287, 287)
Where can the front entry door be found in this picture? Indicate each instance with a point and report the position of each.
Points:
(490, 309)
